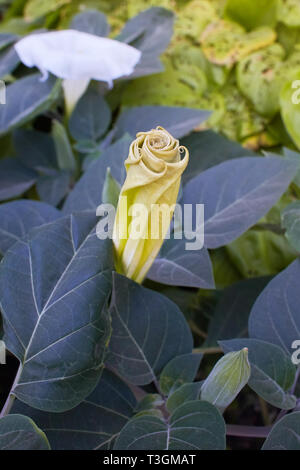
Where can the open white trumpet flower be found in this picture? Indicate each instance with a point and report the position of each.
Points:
(77, 57)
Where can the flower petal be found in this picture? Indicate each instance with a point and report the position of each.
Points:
(77, 55)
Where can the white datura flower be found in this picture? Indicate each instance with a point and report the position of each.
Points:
(77, 57)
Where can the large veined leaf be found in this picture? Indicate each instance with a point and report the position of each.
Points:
(230, 317)
(15, 178)
(17, 218)
(195, 425)
(275, 315)
(236, 194)
(178, 121)
(207, 148)
(177, 266)
(92, 22)
(272, 371)
(94, 424)
(19, 432)
(87, 193)
(150, 32)
(187, 392)
(54, 289)
(25, 99)
(90, 118)
(180, 370)
(285, 434)
(35, 149)
(148, 331)
(53, 187)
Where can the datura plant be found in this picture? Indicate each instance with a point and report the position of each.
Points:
(147, 200)
(132, 336)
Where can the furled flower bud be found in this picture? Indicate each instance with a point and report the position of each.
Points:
(226, 380)
(147, 200)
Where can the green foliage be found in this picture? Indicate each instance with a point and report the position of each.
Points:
(106, 363)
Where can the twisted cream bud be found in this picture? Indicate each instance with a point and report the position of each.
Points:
(147, 200)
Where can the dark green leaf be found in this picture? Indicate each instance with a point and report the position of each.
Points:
(18, 432)
(93, 424)
(207, 148)
(90, 118)
(187, 392)
(237, 193)
(17, 218)
(148, 331)
(177, 121)
(176, 266)
(15, 178)
(25, 99)
(275, 315)
(54, 289)
(150, 32)
(196, 425)
(285, 434)
(87, 193)
(180, 370)
(230, 318)
(92, 22)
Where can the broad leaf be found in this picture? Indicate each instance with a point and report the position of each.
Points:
(18, 432)
(272, 372)
(285, 434)
(150, 32)
(230, 317)
(92, 22)
(54, 289)
(187, 392)
(93, 424)
(148, 331)
(178, 121)
(15, 178)
(17, 218)
(35, 149)
(177, 266)
(195, 425)
(275, 315)
(90, 118)
(53, 187)
(207, 148)
(236, 194)
(25, 99)
(87, 193)
(180, 370)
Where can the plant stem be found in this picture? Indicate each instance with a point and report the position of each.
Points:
(215, 350)
(11, 397)
(247, 431)
(195, 328)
